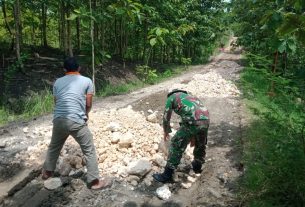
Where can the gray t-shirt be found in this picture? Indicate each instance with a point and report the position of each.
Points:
(70, 92)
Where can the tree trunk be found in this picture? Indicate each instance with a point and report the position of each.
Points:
(33, 31)
(284, 56)
(161, 54)
(95, 26)
(17, 30)
(102, 29)
(69, 38)
(92, 47)
(121, 38)
(115, 36)
(144, 41)
(7, 24)
(272, 89)
(63, 33)
(78, 33)
(44, 24)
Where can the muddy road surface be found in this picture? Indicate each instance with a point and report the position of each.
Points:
(134, 119)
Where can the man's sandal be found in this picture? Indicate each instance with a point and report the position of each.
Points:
(45, 174)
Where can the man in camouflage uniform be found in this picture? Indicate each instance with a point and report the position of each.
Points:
(193, 128)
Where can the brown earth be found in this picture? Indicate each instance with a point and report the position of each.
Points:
(25, 145)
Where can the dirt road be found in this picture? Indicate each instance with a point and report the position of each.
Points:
(24, 144)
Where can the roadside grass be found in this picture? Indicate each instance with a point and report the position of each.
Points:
(274, 147)
(25, 108)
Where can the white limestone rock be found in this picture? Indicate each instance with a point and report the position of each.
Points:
(163, 192)
(186, 185)
(126, 140)
(139, 167)
(116, 136)
(25, 130)
(152, 118)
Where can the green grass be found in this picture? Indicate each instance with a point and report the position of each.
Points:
(274, 151)
(25, 108)
(109, 90)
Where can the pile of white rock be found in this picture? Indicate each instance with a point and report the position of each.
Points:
(127, 145)
(209, 84)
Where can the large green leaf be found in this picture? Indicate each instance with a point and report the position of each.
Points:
(72, 17)
(153, 41)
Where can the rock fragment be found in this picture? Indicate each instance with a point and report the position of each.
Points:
(52, 183)
(139, 167)
(163, 192)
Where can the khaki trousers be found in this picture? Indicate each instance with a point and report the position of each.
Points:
(62, 128)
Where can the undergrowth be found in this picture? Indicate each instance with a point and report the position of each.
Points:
(274, 149)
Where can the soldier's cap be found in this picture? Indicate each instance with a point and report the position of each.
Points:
(176, 91)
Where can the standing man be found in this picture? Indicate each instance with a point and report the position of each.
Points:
(193, 128)
(73, 101)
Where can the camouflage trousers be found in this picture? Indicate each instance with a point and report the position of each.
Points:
(180, 141)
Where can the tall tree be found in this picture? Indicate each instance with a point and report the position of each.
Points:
(6, 22)
(44, 23)
(18, 32)
(69, 33)
(92, 45)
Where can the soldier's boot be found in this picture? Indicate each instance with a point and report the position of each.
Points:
(165, 177)
(197, 166)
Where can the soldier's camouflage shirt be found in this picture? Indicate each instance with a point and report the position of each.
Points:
(189, 108)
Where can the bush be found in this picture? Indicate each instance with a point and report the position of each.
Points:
(146, 73)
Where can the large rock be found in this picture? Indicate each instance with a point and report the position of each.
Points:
(116, 136)
(52, 183)
(126, 140)
(139, 167)
(152, 118)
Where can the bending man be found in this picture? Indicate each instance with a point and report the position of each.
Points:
(193, 128)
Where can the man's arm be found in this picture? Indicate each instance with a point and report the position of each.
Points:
(167, 116)
(88, 104)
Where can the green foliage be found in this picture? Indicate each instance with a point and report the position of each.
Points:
(32, 105)
(146, 73)
(110, 89)
(14, 68)
(186, 61)
(274, 151)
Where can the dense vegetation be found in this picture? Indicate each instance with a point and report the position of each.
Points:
(273, 33)
(144, 33)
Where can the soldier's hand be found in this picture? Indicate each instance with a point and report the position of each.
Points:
(166, 136)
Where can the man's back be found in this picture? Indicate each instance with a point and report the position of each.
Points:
(190, 108)
(70, 93)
